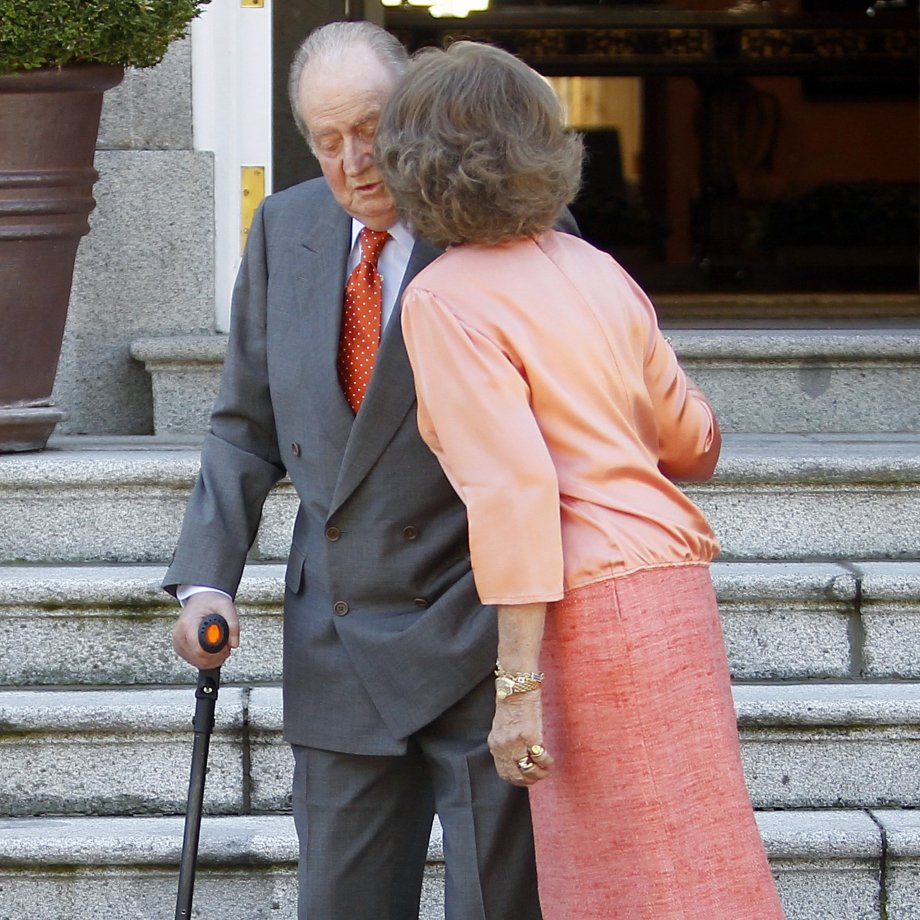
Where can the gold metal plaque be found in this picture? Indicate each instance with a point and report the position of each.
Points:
(252, 186)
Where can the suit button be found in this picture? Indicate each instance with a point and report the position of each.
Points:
(340, 608)
(421, 602)
(333, 533)
(295, 449)
(410, 532)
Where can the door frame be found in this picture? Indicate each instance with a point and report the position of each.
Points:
(232, 119)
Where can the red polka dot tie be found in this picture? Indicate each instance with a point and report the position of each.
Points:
(361, 318)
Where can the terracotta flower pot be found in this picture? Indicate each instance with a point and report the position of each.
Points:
(49, 120)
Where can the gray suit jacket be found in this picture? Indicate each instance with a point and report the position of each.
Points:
(383, 630)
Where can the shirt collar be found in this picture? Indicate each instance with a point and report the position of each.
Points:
(399, 231)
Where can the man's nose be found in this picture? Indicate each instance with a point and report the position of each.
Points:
(358, 156)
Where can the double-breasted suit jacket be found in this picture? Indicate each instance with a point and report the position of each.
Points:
(383, 629)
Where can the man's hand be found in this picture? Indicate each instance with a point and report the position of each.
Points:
(185, 632)
(516, 739)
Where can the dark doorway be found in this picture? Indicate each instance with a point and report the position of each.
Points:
(774, 147)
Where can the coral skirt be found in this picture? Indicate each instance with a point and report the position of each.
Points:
(646, 816)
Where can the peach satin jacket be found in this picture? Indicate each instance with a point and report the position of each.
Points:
(560, 415)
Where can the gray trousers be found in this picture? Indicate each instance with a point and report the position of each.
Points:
(363, 824)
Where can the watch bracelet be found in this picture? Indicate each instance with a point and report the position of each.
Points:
(523, 681)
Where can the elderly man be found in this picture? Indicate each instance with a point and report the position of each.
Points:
(388, 653)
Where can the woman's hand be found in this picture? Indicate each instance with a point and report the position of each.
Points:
(516, 739)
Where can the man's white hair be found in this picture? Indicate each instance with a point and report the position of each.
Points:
(334, 40)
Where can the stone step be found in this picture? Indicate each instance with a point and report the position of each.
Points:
(780, 496)
(818, 496)
(825, 745)
(806, 380)
(78, 868)
(851, 620)
(111, 624)
(99, 625)
(763, 310)
(759, 379)
(127, 752)
(116, 499)
(831, 865)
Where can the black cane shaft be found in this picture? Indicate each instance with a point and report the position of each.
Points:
(212, 636)
(193, 821)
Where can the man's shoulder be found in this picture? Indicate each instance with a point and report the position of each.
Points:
(311, 194)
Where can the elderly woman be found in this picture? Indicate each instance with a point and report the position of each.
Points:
(562, 418)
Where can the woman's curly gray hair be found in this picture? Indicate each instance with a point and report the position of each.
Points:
(473, 147)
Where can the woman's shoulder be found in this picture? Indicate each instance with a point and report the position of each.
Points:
(579, 259)
(573, 246)
(470, 262)
(518, 265)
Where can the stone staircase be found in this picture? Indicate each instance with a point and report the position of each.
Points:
(816, 501)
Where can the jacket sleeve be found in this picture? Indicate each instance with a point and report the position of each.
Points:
(689, 440)
(240, 460)
(474, 413)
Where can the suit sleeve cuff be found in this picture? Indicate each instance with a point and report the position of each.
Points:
(184, 592)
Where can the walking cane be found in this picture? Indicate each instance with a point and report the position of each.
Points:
(213, 634)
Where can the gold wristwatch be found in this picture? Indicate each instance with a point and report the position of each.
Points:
(508, 682)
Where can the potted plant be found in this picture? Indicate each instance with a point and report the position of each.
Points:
(57, 57)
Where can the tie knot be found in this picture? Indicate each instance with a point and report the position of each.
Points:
(372, 242)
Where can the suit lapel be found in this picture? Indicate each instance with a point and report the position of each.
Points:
(390, 395)
(323, 254)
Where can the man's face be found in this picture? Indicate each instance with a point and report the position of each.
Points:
(340, 101)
